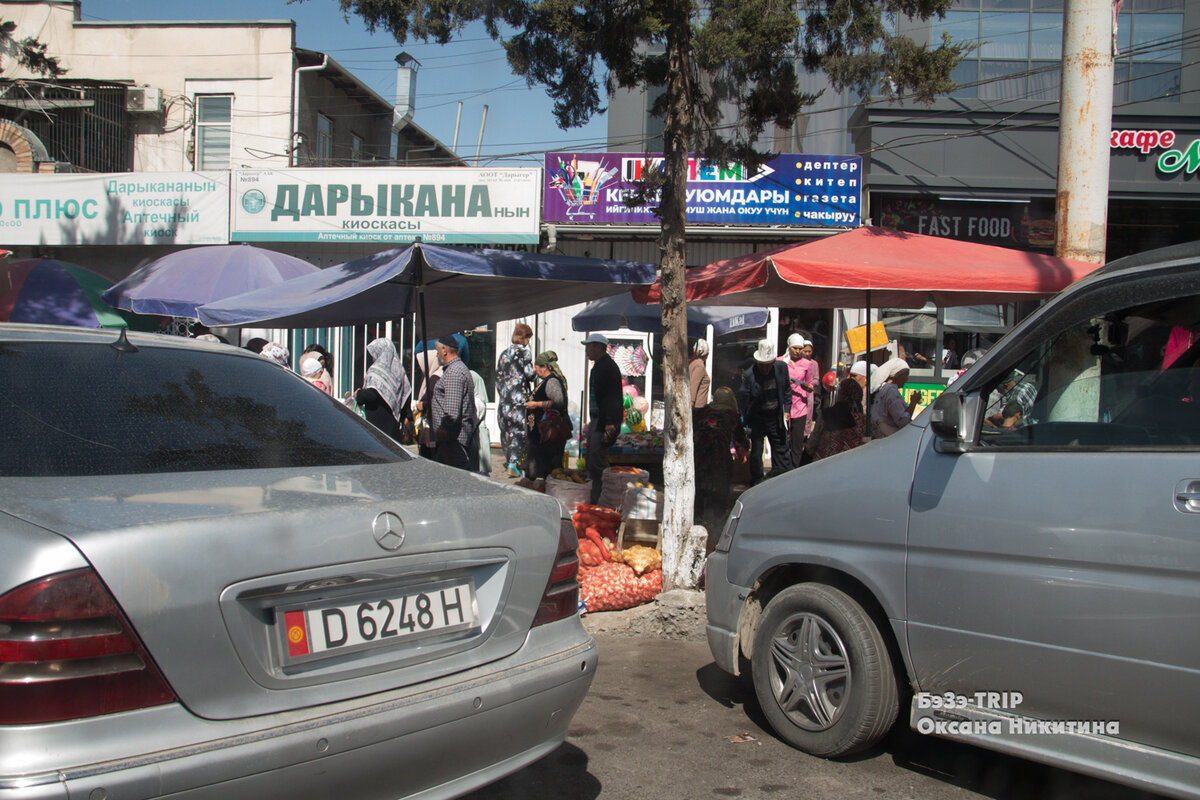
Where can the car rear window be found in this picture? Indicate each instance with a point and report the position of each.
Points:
(71, 409)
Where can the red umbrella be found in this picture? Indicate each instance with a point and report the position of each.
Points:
(877, 267)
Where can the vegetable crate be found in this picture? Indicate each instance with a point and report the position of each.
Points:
(639, 531)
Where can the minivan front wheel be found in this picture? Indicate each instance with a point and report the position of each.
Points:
(822, 672)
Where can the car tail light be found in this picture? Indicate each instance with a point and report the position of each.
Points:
(561, 598)
(66, 652)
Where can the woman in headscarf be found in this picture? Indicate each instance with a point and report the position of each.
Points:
(716, 429)
(385, 392)
(311, 369)
(326, 359)
(842, 426)
(888, 411)
(698, 380)
(514, 375)
(277, 353)
(550, 396)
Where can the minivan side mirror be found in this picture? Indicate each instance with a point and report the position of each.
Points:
(952, 419)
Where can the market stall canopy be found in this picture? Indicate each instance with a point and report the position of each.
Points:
(622, 311)
(50, 292)
(177, 283)
(881, 268)
(462, 287)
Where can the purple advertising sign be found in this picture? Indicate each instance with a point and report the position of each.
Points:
(792, 189)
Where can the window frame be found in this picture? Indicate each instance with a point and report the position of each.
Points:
(323, 152)
(1106, 296)
(202, 126)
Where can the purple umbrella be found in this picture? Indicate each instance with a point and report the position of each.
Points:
(178, 282)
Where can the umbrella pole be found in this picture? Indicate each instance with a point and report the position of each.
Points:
(870, 365)
(426, 409)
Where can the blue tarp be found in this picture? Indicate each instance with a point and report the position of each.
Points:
(462, 287)
(622, 311)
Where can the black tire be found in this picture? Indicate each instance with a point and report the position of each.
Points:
(822, 672)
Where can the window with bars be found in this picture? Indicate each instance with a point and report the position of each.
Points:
(214, 130)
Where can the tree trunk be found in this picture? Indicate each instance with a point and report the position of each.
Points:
(682, 558)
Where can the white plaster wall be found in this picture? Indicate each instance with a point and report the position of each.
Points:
(251, 60)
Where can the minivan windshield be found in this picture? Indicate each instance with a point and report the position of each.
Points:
(71, 409)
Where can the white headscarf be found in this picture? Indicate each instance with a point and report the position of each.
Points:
(386, 375)
(277, 353)
(701, 349)
(881, 374)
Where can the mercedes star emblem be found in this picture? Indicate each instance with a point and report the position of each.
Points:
(389, 530)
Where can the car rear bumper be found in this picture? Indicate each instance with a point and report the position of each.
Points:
(439, 740)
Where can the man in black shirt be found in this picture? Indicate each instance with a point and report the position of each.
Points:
(605, 409)
(764, 399)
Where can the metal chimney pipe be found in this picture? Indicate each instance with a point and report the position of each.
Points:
(406, 90)
(479, 143)
(457, 119)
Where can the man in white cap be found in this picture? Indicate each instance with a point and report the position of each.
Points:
(802, 377)
(764, 400)
(605, 409)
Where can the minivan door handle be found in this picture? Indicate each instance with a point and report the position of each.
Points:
(1187, 496)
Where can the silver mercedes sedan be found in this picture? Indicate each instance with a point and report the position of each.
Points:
(215, 581)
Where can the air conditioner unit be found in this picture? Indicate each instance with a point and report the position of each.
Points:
(143, 100)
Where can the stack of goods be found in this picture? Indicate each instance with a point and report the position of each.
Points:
(642, 501)
(648, 442)
(615, 481)
(570, 486)
(610, 580)
(597, 530)
(613, 586)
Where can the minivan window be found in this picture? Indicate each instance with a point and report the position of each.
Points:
(1127, 378)
(72, 409)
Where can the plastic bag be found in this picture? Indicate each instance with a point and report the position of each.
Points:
(642, 559)
(642, 502)
(569, 493)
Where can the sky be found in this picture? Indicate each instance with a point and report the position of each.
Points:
(520, 123)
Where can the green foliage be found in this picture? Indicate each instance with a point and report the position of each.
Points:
(29, 52)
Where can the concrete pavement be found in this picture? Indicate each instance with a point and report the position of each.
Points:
(662, 721)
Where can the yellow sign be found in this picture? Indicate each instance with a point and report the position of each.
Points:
(856, 338)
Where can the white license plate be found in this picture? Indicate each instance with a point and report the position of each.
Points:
(323, 629)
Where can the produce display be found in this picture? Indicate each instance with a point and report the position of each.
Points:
(573, 475)
(596, 526)
(645, 441)
(613, 483)
(613, 586)
(641, 558)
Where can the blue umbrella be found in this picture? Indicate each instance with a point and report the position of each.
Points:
(50, 292)
(622, 311)
(451, 287)
(177, 283)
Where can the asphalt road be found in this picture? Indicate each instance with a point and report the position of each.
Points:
(662, 721)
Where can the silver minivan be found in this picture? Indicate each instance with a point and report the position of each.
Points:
(1028, 582)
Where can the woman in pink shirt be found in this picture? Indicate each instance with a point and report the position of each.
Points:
(802, 373)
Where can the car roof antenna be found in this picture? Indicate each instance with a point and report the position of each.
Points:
(123, 345)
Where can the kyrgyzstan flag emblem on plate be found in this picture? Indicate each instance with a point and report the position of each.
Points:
(297, 633)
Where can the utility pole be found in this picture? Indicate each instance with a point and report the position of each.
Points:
(1084, 128)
